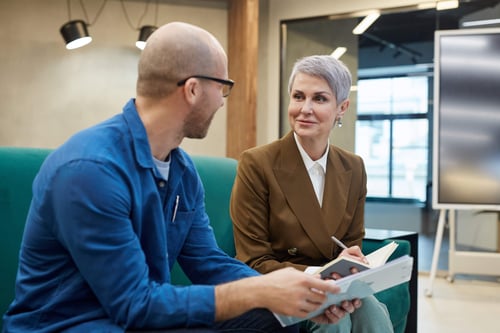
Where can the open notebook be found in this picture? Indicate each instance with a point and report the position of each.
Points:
(342, 265)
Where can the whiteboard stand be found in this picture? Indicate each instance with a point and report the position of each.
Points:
(437, 249)
(468, 262)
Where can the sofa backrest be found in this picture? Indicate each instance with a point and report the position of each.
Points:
(18, 167)
(217, 175)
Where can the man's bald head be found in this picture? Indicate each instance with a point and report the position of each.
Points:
(173, 52)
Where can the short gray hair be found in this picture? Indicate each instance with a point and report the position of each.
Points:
(332, 70)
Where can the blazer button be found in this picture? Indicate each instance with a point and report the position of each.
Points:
(293, 251)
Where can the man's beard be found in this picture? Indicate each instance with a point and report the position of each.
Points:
(196, 126)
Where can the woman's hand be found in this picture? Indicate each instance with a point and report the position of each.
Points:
(353, 252)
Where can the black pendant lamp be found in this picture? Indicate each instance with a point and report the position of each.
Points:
(75, 34)
(144, 33)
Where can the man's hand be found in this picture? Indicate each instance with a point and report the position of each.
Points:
(286, 291)
(295, 293)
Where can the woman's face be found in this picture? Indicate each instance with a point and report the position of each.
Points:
(313, 107)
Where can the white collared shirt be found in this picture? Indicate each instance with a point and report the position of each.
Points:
(316, 169)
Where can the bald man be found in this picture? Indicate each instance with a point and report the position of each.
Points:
(99, 242)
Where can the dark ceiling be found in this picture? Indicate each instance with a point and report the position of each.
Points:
(419, 26)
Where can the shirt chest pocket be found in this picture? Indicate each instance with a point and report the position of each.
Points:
(184, 217)
(178, 229)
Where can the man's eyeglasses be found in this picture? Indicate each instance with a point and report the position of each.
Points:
(227, 85)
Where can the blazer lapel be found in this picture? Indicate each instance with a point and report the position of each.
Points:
(294, 180)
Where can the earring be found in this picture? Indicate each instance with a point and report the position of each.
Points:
(339, 122)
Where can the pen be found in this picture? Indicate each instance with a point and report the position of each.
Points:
(338, 242)
(342, 245)
(175, 208)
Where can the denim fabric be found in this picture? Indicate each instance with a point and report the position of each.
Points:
(255, 321)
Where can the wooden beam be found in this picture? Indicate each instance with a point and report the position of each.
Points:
(243, 31)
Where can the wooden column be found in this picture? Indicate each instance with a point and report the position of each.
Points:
(243, 30)
(498, 232)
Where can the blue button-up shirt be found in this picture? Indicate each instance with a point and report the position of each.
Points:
(100, 242)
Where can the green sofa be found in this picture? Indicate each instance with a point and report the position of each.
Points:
(18, 167)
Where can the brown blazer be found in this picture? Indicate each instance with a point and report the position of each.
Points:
(277, 219)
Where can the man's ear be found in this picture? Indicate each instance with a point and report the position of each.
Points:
(192, 90)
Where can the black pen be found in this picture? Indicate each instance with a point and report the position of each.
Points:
(342, 245)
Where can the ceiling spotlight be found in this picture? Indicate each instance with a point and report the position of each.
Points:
(145, 32)
(75, 34)
(447, 4)
(480, 22)
(366, 23)
(338, 52)
(426, 5)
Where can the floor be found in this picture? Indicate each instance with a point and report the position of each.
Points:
(464, 306)
(468, 304)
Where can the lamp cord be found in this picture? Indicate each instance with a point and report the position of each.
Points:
(129, 21)
(85, 12)
(156, 12)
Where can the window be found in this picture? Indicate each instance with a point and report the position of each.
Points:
(392, 134)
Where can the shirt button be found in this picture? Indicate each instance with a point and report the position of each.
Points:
(161, 183)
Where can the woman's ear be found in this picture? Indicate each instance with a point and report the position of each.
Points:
(343, 107)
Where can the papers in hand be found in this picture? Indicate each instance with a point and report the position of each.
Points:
(342, 265)
(361, 285)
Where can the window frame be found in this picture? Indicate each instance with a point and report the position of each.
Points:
(428, 115)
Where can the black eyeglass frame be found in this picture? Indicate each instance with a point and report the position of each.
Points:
(228, 83)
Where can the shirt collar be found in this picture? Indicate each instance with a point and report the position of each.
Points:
(308, 162)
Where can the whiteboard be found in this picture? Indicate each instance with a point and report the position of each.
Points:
(466, 133)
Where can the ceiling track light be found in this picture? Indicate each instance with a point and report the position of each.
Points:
(399, 49)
